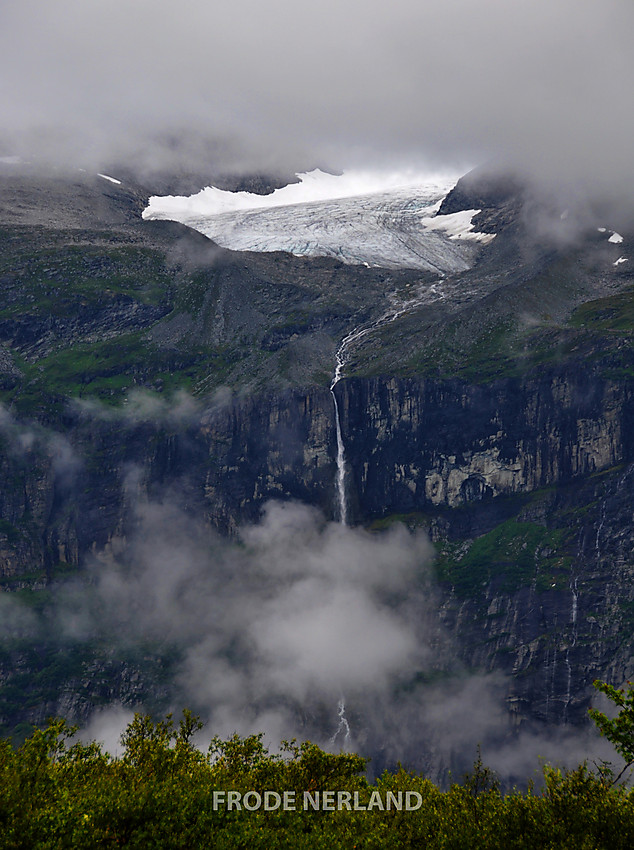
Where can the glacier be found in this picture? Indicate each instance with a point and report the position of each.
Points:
(384, 220)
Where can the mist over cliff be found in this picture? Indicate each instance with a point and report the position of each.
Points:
(170, 466)
(249, 276)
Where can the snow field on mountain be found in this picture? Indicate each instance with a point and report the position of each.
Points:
(359, 217)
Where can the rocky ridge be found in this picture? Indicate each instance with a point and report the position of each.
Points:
(498, 417)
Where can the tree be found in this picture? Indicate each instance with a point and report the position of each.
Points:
(618, 730)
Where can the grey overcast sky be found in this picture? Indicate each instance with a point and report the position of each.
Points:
(547, 82)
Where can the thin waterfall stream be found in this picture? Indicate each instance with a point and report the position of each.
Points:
(341, 491)
(340, 479)
(341, 358)
(343, 728)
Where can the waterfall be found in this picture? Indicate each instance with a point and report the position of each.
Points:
(342, 501)
(343, 727)
(340, 361)
(341, 358)
(340, 480)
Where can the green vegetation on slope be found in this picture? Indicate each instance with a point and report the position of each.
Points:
(514, 553)
(511, 555)
(77, 321)
(510, 330)
(52, 280)
(109, 368)
(86, 313)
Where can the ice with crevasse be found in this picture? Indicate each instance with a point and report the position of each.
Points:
(385, 220)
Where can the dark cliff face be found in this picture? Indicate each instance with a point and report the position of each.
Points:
(526, 489)
(410, 446)
(422, 443)
(498, 418)
(565, 617)
(537, 470)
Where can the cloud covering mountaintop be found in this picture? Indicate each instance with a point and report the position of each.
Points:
(443, 82)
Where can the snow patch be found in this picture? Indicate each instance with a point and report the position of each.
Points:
(619, 261)
(616, 238)
(601, 229)
(111, 179)
(457, 226)
(313, 186)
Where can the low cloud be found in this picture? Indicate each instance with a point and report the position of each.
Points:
(299, 613)
(33, 439)
(273, 632)
(107, 726)
(143, 406)
(542, 84)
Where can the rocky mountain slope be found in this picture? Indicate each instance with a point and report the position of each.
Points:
(141, 361)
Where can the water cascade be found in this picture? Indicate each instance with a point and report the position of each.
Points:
(343, 729)
(341, 358)
(340, 480)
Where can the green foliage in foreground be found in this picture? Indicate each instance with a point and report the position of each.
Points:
(618, 730)
(160, 794)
